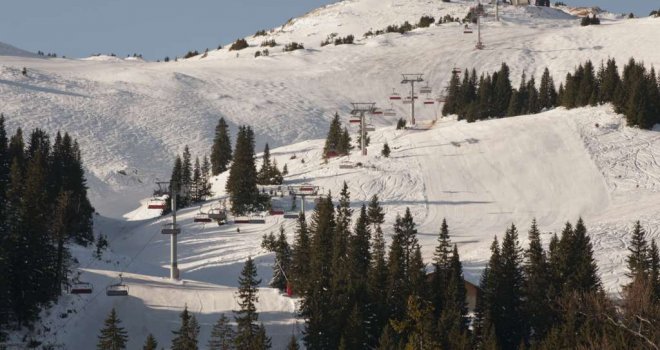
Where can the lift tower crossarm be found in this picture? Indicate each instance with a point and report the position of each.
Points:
(411, 79)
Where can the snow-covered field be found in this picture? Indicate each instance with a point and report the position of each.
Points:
(134, 116)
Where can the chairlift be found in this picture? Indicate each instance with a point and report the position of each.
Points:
(355, 120)
(426, 89)
(170, 229)
(117, 289)
(290, 215)
(346, 165)
(389, 112)
(429, 101)
(395, 96)
(369, 128)
(276, 211)
(155, 203)
(377, 111)
(241, 220)
(202, 218)
(217, 214)
(81, 288)
(467, 29)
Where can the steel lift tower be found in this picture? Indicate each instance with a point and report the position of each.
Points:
(359, 109)
(412, 79)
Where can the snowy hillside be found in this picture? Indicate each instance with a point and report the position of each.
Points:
(132, 117)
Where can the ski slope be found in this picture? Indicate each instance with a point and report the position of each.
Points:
(132, 117)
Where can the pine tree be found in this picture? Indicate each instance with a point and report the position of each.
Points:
(316, 305)
(638, 260)
(453, 317)
(510, 327)
(537, 279)
(345, 142)
(386, 150)
(264, 175)
(584, 271)
(205, 181)
(341, 298)
(247, 317)
(150, 343)
(333, 140)
(222, 335)
(261, 341)
(502, 91)
(377, 275)
(293, 343)
(609, 81)
(186, 337)
(359, 257)
(402, 272)
(197, 185)
(654, 268)
(547, 93)
(221, 153)
(282, 266)
(301, 255)
(113, 336)
(242, 181)
(186, 172)
(453, 99)
(441, 265)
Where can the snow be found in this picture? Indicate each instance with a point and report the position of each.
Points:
(132, 117)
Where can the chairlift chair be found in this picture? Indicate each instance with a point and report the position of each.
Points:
(217, 214)
(456, 70)
(467, 29)
(276, 211)
(425, 89)
(202, 217)
(117, 289)
(170, 229)
(377, 111)
(346, 165)
(395, 96)
(429, 101)
(354, 121)
(390, 112)
(370, 128)
(81, 288)
(156, 204)
(290, 215)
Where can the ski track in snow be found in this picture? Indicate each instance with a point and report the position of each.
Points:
(133, 117)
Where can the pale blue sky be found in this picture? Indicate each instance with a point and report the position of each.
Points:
(159, 28)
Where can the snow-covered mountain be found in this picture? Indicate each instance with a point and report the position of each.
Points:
(132, 117)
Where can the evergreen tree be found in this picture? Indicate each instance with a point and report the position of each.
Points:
(264, 175)
(441, 265)
(221, 153)
(340, 293)
(222, 335)
(186, 337)
(242, 181)
(345, 142)
(654, 268)
(113, 336)
(638, 261)
(150, 343)
(247, 316)
(502, 91)
(584, 271)
(377, 275)
(536, 286)
(205, 181)
(609, 81)
(359, 258)
(403, 275)
(196, 192)
(547, 92)
(333, 142)
(293, 343)
(386, 150)
(261, 341)
(282, 262)
(453, 98)
(510, 326)
(453, 317)
(301, 256)
(316, 305)
(186, 172)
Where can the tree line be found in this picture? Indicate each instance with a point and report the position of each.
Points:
(635, 93)
(190, 182)
(43, 206)
(357, 294)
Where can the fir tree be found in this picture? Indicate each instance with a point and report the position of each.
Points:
(511, 327)
(502, 91)
(333, 140)
(242, 181)
(386, 150)
(247, 316)
(186, 172)
(186, 337)
(282, 262)
(301, 255)
(453, 317)
(345, 142)
(453, 99)
(222, 335)
(113, 336)
(654, 268)
(377, 276)
(316, 305)
(261, 341)
(221, 153)
(441, 265)
(584, 271)
(547, 92)
(638, 260)
(264, 175)
(537, 279)
(341, 298)
(150, 343)
(293, 343)
(197, 186)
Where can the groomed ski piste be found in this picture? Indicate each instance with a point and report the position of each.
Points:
(132, 117)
